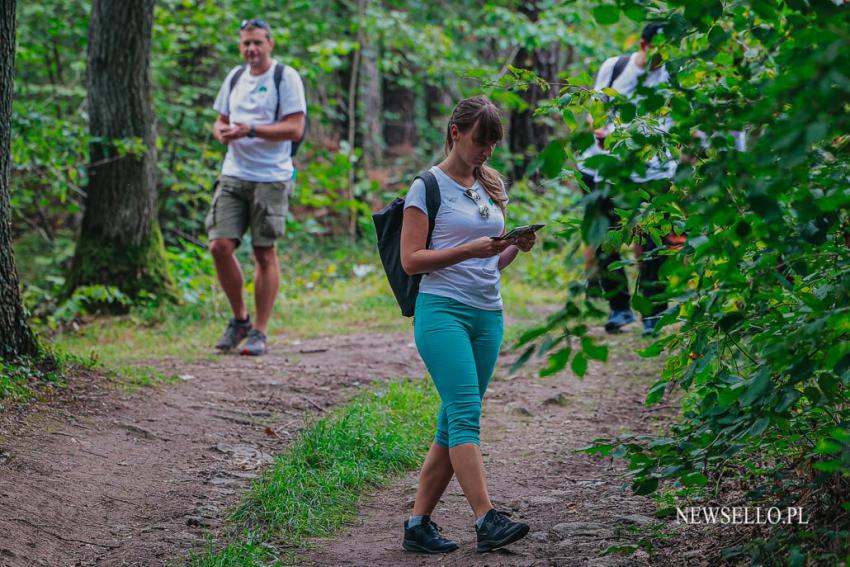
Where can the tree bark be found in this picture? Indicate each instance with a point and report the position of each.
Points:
(16, 338)
(528, 136)
(438, 104)
(120, 243)
(352, 116)
(373, 150)
(400, 118)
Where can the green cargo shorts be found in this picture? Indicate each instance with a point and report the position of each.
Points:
(238, 204)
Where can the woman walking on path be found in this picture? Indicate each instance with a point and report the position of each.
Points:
(458, 322)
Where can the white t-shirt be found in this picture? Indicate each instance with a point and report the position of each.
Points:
(254, 102)
(625, 84)
(473, 282)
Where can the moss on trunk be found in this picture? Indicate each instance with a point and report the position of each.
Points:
(132, 268)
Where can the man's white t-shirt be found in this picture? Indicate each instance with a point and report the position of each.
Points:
(253, 101)
(625, 84)
(473, 282)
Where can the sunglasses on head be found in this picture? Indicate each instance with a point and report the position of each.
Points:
(255, 23)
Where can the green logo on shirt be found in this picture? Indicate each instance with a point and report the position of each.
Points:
(263, 89)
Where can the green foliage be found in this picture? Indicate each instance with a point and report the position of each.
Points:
(138, 271)
(314, 486)
(543, 204)
(87, 299)
(18, 377)
(458, 49)
(22, 378)
(759, 293)
(49, 138)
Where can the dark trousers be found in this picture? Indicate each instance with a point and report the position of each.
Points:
(614, 282)
(649, 284)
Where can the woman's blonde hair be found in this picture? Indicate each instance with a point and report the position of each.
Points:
(479, 113)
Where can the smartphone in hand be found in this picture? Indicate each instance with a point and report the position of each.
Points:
(519, 231)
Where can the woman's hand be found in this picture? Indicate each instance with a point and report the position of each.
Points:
(525, 242)
(485, 247)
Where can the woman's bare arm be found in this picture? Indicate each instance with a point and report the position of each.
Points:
(417, 259)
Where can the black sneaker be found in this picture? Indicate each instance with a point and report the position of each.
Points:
(233, 335)
(498, 531)
(426, 538)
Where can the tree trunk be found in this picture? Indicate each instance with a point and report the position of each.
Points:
(120, 243)
(16, 338)
(528, 136)
(352, 117)
(400, 118)
(438, 104)
(373, 150)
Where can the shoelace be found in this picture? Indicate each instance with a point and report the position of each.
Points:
(502, 516)
(436, 527)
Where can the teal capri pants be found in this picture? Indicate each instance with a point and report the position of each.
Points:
(459, 345)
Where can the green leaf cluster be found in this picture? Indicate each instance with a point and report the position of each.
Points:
(758, 322)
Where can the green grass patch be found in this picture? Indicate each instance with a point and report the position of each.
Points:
(315, 485)
(17, 379)
(189, 331)
(21, 378)
(328, 301)
(134, 378)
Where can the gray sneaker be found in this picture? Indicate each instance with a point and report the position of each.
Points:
(255, 344)
(233, 335)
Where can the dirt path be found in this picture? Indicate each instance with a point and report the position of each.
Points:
(137, 480)
(578, 506)
(114, 479)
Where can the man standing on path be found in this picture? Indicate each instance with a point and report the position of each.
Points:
(624, 74)
(262, 110)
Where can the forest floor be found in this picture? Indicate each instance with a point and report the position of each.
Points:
(100, 476)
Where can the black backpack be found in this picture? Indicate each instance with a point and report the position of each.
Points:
(278, 78)
(618, 69)
(388, 226)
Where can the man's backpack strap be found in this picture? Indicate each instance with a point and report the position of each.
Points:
(432, 201)
(619, 66)
(278, 78)
(235, 78)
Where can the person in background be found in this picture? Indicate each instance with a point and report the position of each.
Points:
(623, 74)
(261, 110)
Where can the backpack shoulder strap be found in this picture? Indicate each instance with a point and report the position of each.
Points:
(235, 78)
(432, 201)
(619, 66)
(279, 68)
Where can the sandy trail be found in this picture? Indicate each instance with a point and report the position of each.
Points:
(117, 479)
(112, 479)
(578, 506)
